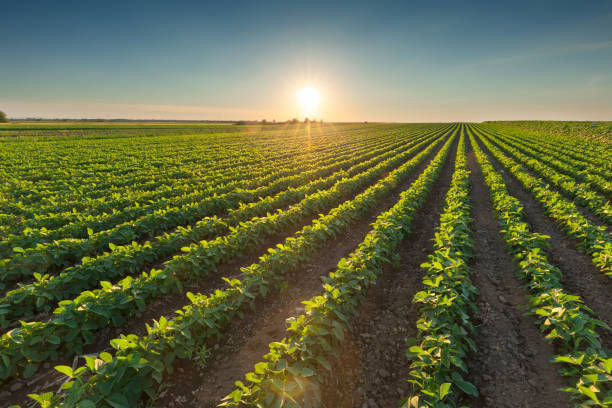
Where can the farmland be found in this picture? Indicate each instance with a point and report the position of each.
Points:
(309, 265)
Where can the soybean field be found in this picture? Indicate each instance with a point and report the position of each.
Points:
(309, 265)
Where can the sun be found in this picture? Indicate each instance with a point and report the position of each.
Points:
(309, 99)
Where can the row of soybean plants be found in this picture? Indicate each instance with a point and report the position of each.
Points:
(172, 157)
(597, 134)
(81, 201)
(295, 365)
(188, 186)
(444, 329)
(580, 192)
(40, 295)
(57, 213)
(77, 224)
(595, 177)
(594, 161)
(568, 145)
(199, 167)
(563, 318)
(164, 185)
(591, 239)
(61, 253)
(140, 364)
(51, 256)
(75, 322)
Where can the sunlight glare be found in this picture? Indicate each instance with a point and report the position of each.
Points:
(309, 98)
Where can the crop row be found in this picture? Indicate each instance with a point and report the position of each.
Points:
(122, 162)
(564, 320)
(55, 215)
(595, 202)
(594, 176)
(444, 329)
(157, 165)
(79, 225)
(575, 142)
(591, 239)
(585, 157)
(123, 260)
(293, 367)
(48, 257)
(76, 321)
(173, 186)
(121, 380)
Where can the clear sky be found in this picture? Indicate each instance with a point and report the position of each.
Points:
(372, 60)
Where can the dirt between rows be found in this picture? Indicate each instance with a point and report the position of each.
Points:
(511, 367)
(585, 211)
(579, 275)
(246, 341)
(48, 379)
(372, 369)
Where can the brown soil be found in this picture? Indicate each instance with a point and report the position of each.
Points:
(580, 276)
(511, 367)
(372, 369)
(47, 377)
(246, 340)
(586, 212)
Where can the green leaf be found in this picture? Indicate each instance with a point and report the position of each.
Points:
(86, 404)
(565, 359)
(588, 392)
(30, 370)
(444, 390)
(67, 371)
(117, 400)
(54, 339)
(608, 365)
(260, 368)
(465, 386)
(106, 357)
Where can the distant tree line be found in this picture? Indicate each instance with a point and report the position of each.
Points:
(293, 121)
(3, 118)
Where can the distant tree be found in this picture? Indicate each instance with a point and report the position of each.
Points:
(294, 121)
(3, 118)
(306, 120)
(263, 121)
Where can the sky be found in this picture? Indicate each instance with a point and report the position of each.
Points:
(404, 61)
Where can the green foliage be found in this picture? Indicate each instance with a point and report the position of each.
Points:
(444, 328)
(582, 193)
(563, 318)
(294, 364)
(131, 258)
(140, 364)
(590, 238)
(590, 131)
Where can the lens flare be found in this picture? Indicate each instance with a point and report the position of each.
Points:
(309, 99)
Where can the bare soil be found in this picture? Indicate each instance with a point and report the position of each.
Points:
(511, 367)
(246, 341)
(586, 212)
(580, 276)
(372, 369)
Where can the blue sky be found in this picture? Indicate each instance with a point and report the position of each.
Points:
(377, 61)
